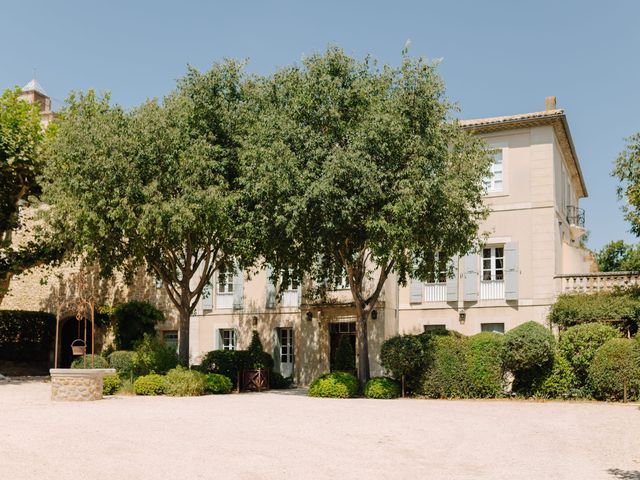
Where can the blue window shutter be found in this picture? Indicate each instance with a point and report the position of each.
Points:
(271, 289)
(452, 283)
(471, 278)
(511, 271)
(217, 339)
(416, 291)
(238, 287)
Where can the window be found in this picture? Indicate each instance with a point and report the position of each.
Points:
(440, 274)
(225, 281)
(495, 181)
(286, 345)
(227, 339)
(342, 283)
(492, 327)
(170, 338)
(435, 328)
(492, 264)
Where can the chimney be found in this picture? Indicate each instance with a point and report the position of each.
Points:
(550, 103)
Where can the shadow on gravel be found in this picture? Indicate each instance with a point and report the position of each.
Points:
(624, 474)
(300, 392)
(19, 380)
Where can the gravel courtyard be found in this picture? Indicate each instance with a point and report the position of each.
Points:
(282, 435)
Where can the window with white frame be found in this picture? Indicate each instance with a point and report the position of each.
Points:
(495, 182)
(227, 339)
(291, 295)
(493, 264)
(225, 281)
(439, 275)
(286, 345)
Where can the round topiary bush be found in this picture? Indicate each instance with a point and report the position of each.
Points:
(152, 384)
(528, 353)
(216, 383)
(98, 362)
(181, 382)
(404, 357)
(578, 345)
(111, 384)
(561, 381)
(616, 369)
(382, 387)
(484, 365)
(446, 374)
(334, 385)
(123, 361)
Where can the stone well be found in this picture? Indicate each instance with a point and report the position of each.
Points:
(77, 384)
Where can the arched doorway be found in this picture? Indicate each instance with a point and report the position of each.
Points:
(70, 330)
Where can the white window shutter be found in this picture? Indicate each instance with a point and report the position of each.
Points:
(416, 291)
(238, 287)
(511, 271)
(452, 283)
(471, 278)
(207, 296)
(217, 340)
(271, 289)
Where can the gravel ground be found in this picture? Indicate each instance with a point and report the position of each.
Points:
(282, 435)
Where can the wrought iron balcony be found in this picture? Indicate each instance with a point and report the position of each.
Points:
(575, 216)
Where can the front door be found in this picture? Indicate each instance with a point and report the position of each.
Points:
(285, 347)
(337, 331)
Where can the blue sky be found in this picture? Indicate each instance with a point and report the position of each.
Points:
(499, 57)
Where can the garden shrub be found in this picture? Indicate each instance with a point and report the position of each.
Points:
(578, 344)
(257, 357)
(446, 374)
(123, 361)
(528, 353)
(278, 382)
(616, 364)
(484, 365)
(382, 387)
(225, 362)
(152, 384)
(153, 356)
(561, 381)
(25, 335)
(132, 321)
(98, 362)
(334, 385)
(111, 384)
(216, 383)
(182, 382)
(345, 358)
(403, 356)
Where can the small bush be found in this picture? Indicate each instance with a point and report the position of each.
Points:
(111, 384)
(528, 353)
(615, 365)
(153, 356)
(484, 365)
(152, 384)
(98, 362)
(123, 361)
(132, 321)
(226, 362)
(334, 385)
(345, 358)
(561, 381)
(216, 383)
(579, 343)
(446, 375)
(403, 355)
(382, 387)
(181, 382)
(278, 382)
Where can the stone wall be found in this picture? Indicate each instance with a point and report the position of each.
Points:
(77, 385)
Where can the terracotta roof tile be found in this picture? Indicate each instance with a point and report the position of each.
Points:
(479, 122)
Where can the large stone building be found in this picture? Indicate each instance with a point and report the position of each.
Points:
(531, 247)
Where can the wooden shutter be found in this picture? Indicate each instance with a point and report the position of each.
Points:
(452, 282)
(471, 278)
(416, 291)
(511, 271)
(271, 289)
(238, 285)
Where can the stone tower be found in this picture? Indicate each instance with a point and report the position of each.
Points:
(33, 92)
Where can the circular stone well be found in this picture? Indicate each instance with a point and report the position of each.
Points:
(78, 384)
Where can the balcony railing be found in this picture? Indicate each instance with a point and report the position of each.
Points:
(597, 282)
(575, 216)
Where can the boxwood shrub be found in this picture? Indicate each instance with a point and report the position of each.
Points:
(98, 362)
(616, 364)
(382, 387)
(153, 356)
(446, 374)
(123, 361)
(216, 383)
(181, 382)
(334, 385)
(111, 384)
(152, 384)
(484, 365)
(404, 356)
(278, 382)
(561, 382)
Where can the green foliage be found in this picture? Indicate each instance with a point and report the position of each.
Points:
(278, 382)
(627, 171)
(258, 358)
(98, 362)
(345, 357)
(334, 385)
(446, 375)
(528, 353)
(26, 335)
(153, 356)
(152, 384)
(616, 364)
(111, 384)
(484, 365)
(404, 355)
(578, 344)
(216, 383)
(382, 387)
(561, 381)
(123, 361)
(182, 382)
(226, 362)
(132, 320)
(621, 306)
(617, 256)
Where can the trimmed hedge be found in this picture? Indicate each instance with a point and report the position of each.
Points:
(334, 385)
(446, 375)
(615, 365)
(225, 362)
(25, 335)
(181, 382)
(153, 356)
(98, 362)
(152, 384)
(573, 309)
(561, 381)
(216, 383)
(382, 388)
(132, 321)
(123, 361)
(484, 365)
(111, 384)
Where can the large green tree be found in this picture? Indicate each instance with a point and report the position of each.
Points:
(154, 187)
(361, 170)
(618, 256)
(627, 171)
(21, 138)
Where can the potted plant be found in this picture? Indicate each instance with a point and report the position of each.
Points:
(256, 374)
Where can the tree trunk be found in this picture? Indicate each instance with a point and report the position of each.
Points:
(363, 346)
(183, 346)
